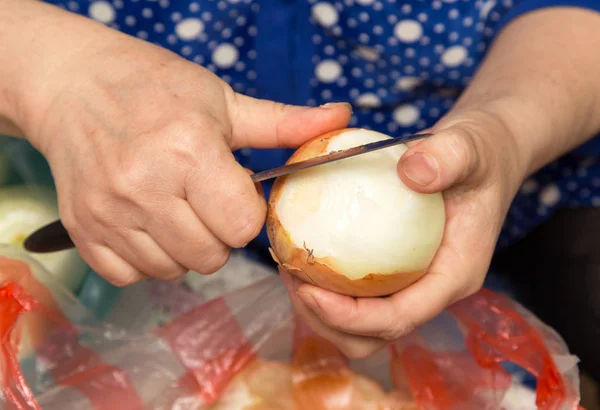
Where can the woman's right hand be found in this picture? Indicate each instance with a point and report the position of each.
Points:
(140, 144)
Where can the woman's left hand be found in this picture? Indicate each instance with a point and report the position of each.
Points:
(471, 159)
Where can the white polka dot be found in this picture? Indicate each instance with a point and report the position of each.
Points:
(408, 31)
(454, 56)
(194, 7)
(189, 28)
(406, 115)
(102, 11)
(406, 9)
(146, 12)
(367, 53)
(368, 100)
(439, 28)
(529, 186)
(186, 50)
(486, 8)
(225, 55)
(328, 71)
(365, 2)
(130, 21)
(325, 14)
(453, 14)
(550, 195)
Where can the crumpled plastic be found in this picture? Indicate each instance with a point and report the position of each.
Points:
(247, 350)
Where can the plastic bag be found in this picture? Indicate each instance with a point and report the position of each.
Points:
(247, 347)
(28, 201)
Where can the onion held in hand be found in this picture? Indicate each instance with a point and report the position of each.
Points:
(353, 226)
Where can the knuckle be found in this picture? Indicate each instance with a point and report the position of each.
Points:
(342, 322)
(127, 279)
(95, 209)
(460, 144)
(174, 273)
(397, 328)
(246, 227)
(215, 261)
(131, 177)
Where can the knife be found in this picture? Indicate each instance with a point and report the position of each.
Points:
(54, 237)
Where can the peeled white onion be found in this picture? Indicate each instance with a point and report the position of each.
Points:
(24, 209)
(353, 226)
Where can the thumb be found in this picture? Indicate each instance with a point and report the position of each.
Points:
(448, 157)
(266, 124)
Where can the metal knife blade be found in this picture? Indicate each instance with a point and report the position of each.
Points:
(54, 237)
(333, 156)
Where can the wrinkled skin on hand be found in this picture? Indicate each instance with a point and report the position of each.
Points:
(140, 144)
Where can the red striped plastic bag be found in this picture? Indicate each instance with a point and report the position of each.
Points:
(246, 350)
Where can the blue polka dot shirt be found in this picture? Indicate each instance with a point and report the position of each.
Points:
(402, 64)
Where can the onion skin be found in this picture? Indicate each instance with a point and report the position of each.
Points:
(301, 263)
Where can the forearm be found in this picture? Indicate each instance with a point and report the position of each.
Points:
(541, 79)
(36, 40)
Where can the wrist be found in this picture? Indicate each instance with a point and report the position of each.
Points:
(38, 40)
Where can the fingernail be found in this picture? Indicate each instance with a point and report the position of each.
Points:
(309, 300)
(336, 105)
(420, 168)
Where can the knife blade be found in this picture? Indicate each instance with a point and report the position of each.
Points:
(54, 237)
